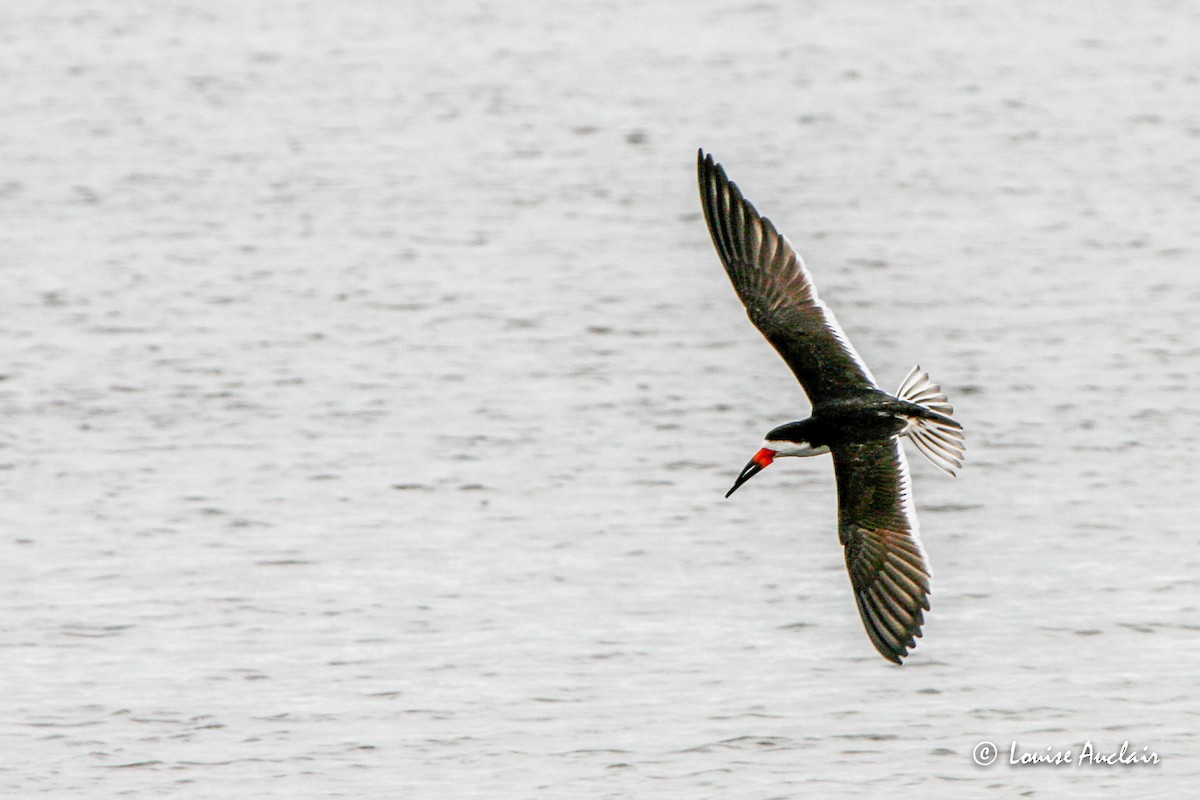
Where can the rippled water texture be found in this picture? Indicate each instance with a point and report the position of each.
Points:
(370, 387)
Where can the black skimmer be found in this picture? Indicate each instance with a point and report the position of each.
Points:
(852, 418)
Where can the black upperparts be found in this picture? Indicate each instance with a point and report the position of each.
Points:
(843, 423)
(770, 278)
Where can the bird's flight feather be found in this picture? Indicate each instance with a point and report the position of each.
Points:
(779, 295)
(878, 528)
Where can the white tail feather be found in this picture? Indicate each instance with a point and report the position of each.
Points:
(941, 443)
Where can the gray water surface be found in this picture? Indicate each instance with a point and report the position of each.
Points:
(370, 387)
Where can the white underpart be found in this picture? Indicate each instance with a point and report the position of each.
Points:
(906, 505)
(940, 443)
(836, 329)
(800, 449)
(830, 320)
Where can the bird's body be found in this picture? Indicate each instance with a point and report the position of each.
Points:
(852, 418)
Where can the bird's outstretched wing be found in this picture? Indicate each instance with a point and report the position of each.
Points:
(779, 295)
(878, 527)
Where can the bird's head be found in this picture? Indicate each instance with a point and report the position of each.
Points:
(793, 439)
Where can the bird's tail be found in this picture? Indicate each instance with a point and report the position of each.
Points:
(940, 438)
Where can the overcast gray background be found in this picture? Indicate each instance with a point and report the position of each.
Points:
(370, 387)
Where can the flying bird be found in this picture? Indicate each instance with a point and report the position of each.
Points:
(852, 418)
